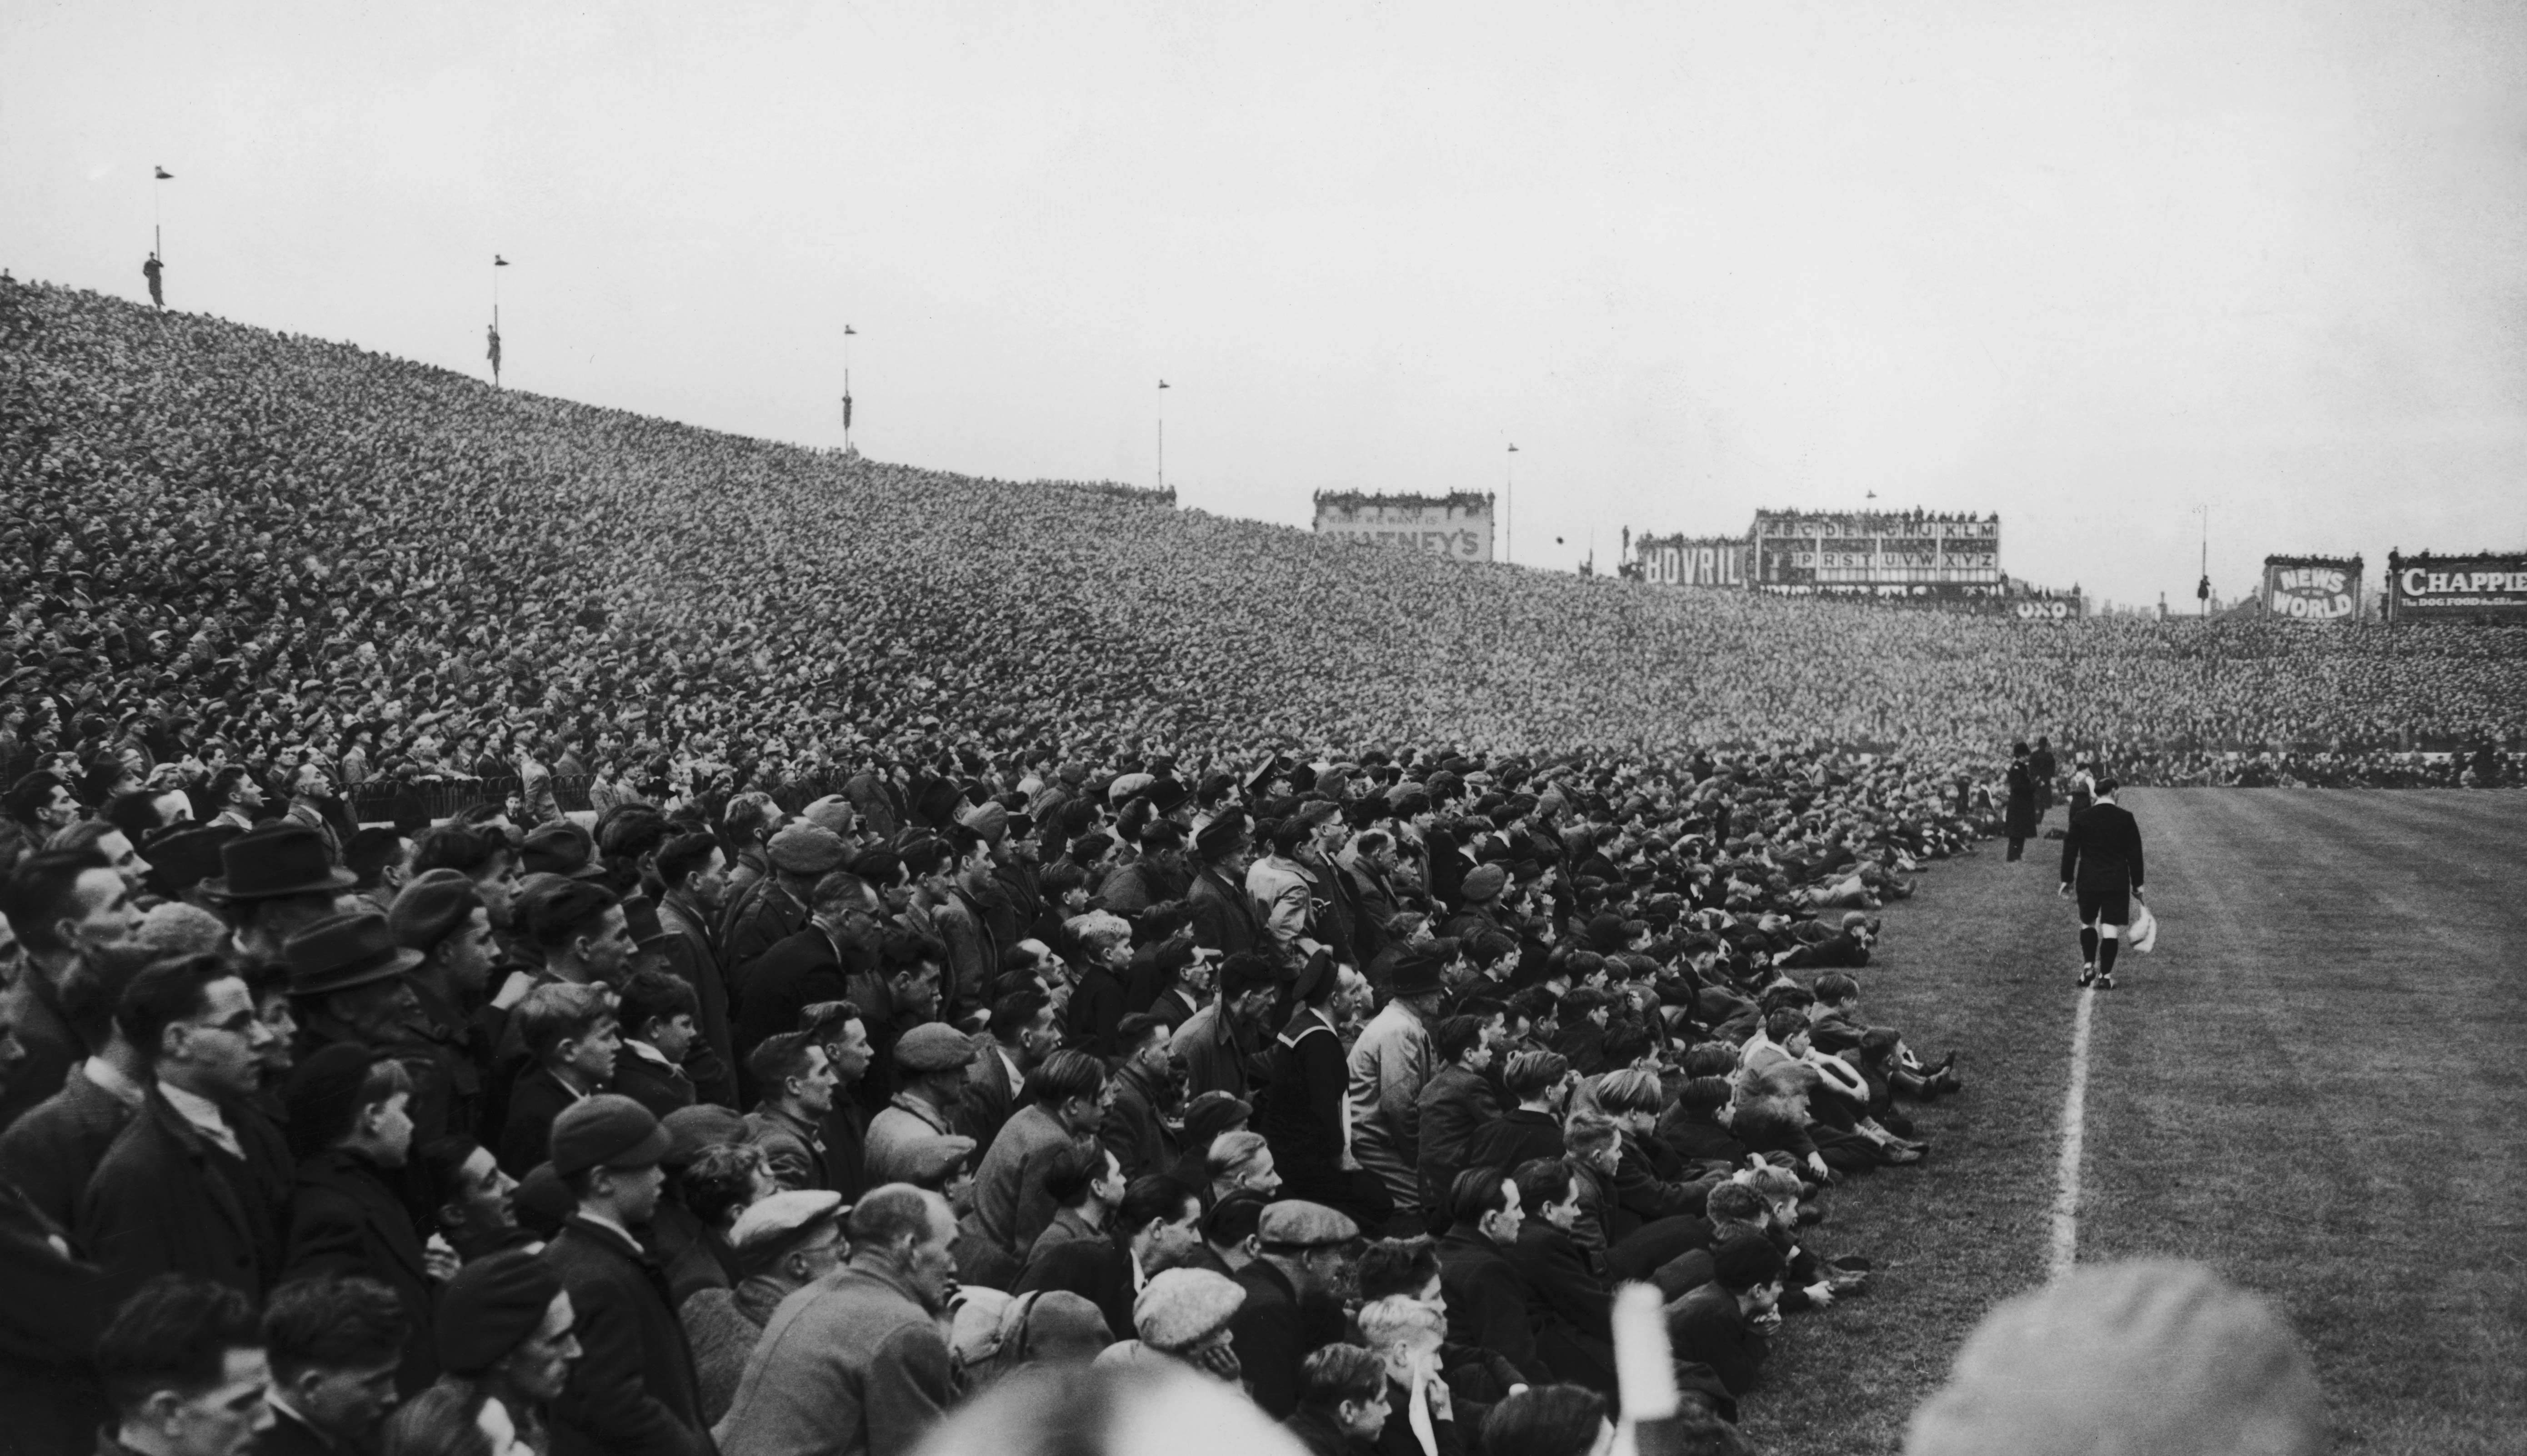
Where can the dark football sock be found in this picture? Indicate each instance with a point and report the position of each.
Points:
(2087, 947)
(2106, 956)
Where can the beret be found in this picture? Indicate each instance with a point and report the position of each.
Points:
(2143, 1355)
(491, 1307)
(1180, 1308)
(832, 812)
(689, 1130)
(610, 1130)
(805, 849)
(781, 1215)
(929, 1160)
(932, 1046)
(988, 820)
(1484, 881)
(428, 907)
(1299, 1224)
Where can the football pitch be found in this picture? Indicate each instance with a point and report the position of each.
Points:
(2317, 1084)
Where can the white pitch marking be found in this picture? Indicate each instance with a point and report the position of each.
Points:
(2066, 1179)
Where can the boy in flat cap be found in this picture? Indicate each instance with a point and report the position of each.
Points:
(635, 1389)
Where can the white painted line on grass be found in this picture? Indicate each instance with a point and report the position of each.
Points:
(2074, 1116)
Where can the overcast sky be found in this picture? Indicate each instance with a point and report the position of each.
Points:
(2089, 264)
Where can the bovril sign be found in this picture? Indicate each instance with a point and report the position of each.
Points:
(2319, 593)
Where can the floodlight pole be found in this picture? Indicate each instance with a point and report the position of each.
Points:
(1509, 507)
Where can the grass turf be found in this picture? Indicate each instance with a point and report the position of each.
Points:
(2316, 1085)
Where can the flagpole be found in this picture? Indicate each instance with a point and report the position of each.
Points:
(1162, 434)
(1509, 507)
(849, 333)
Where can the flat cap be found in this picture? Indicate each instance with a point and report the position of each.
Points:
(805, 849)
(1130, 784)
(931, 1159)
(1295, 1223)
(432, 904)
(782, 1215)
(932, 1046)
(1180, 1308)
(988, 820)
(1483, 882)
(832, 812)
(560, 847)
(606, 1130)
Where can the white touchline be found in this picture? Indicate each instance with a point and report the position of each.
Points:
(2066, 1179)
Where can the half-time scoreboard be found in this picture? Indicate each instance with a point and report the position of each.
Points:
(1876, 551)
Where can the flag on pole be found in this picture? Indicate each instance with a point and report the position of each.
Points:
(1162, 383)
(163, 176)
(499, 261)
(1513, 449)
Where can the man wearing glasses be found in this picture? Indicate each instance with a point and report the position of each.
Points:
(199, 1183)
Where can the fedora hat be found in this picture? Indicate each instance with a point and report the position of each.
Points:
(342, 951)
(1414, 974)
(278, 859)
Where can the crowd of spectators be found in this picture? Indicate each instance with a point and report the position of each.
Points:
(1355, 1086)
(532, 927)
(250, 542)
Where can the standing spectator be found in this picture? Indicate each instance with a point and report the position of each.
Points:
(1388, 1067)
(534, 782)
(233, 798)
(1136, 1128)
(1487, 1302)
(571, 1033)
(61, 905)
(2019, 822)
(1303, 1111)
(1454, 1102)
(784, 1243)
(1023, 1032)
(1220, 1042)
(797, 1083)
(199, 1183)
(312, 807)
(334, 1347)
(858, 1367)
(695, 873)
(658, 1023)
(49, 1322)
(836, 1025)
(183, 1369)
(351, 1132)
(441, 916)
(807, 967)
(274, 883)
(49, 1154)
(1293, 1303)
(934, 1061)
(507, 1335)
(1065, 1103)
(1104, 942)
(1224, 918)
(634, 1390)
(773, 909)
(39, 806)
(155, 272)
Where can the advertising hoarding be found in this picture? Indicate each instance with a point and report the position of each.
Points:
(1457, 526)
(2484, 586)
(2313, 588)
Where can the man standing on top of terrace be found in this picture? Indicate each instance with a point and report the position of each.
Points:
(2101, 860)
